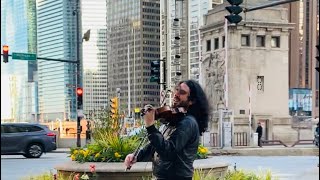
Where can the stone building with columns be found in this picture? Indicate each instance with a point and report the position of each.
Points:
(245, 69)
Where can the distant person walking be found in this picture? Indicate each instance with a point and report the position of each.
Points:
(259, 131)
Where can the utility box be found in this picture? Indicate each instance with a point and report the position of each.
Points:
(255, 139)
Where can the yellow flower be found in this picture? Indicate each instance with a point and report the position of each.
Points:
(75, 152)
(85, 153)
(73, 157)
(97, 155)
(203, 150)
(117, 155)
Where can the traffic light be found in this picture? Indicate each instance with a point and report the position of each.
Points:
(79, 97)
(5, 52)
(114, 107)
(234, 11)
(155, 71)
(317, 57)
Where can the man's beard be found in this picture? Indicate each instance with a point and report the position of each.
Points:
(184, 104)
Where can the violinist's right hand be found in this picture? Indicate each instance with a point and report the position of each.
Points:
(130, 160)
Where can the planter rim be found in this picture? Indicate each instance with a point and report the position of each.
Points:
(137, 167)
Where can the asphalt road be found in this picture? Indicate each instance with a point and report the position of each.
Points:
(284, 167)
(15, 167)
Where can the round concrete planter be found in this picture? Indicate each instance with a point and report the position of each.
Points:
(116, 171)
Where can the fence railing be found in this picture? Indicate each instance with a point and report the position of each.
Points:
(240, 139)
(214, 140)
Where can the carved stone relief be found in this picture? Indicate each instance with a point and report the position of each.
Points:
(213, 79)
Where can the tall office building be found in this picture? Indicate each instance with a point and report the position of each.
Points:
(18, 78)
(133, 41)
(94, 52)
(302, 52)
(180, 38)
(56, 27)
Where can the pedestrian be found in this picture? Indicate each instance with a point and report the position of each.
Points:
(259, 131)
(173, 147)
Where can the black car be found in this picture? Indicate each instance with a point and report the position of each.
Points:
(29, 140)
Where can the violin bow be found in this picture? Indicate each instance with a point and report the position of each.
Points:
(137, 150)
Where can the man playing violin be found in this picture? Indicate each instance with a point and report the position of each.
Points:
(173, 147)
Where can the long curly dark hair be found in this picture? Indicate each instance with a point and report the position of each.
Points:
(200, 105)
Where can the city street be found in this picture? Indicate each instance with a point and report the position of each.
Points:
(15, 167)
(284, 167)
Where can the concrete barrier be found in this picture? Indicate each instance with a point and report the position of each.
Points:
(116, 171)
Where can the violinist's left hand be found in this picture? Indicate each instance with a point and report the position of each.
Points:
(149, 116)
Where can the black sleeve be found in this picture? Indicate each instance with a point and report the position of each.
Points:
(168, 149)
(145, 154)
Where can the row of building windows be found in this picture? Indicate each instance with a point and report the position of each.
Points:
(151, 29)
(150, 4)
(151, 17)
(245, 42)
(153, 11)
(148, 23)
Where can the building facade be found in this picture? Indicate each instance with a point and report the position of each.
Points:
(180, 37)
(18, 31)
(133, 41)
(302, 52)
(245, 68)
(56, 38)
(94, 53)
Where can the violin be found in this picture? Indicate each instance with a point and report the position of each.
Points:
(166, 113)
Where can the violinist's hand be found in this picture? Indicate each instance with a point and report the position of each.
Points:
(130, 160)
(149, 116)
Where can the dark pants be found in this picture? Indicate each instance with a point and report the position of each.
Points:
(259, 141)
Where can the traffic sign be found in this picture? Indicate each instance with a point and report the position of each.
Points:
(24, 56)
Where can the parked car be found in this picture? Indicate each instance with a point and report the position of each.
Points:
(27, 139)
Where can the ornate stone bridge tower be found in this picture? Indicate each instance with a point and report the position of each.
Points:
(245, 69)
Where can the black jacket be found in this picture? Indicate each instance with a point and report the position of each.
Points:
(173, 150)
(259, 131)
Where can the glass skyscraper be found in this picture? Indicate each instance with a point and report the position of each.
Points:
(18, 78)
(94, 52)
(56, 27)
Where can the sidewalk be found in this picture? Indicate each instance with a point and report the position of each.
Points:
(303, 150)
(61, 150)
(300, 150)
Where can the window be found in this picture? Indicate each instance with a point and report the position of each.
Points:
(223, 41)
(245, 40)
(208, 45)
(242, 111)
(260, 83)
(275, 42)
(33, 128)
(216, 43)
(260, 41)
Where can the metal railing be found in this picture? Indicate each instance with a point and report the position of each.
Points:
(240, 139)
(214, 140)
